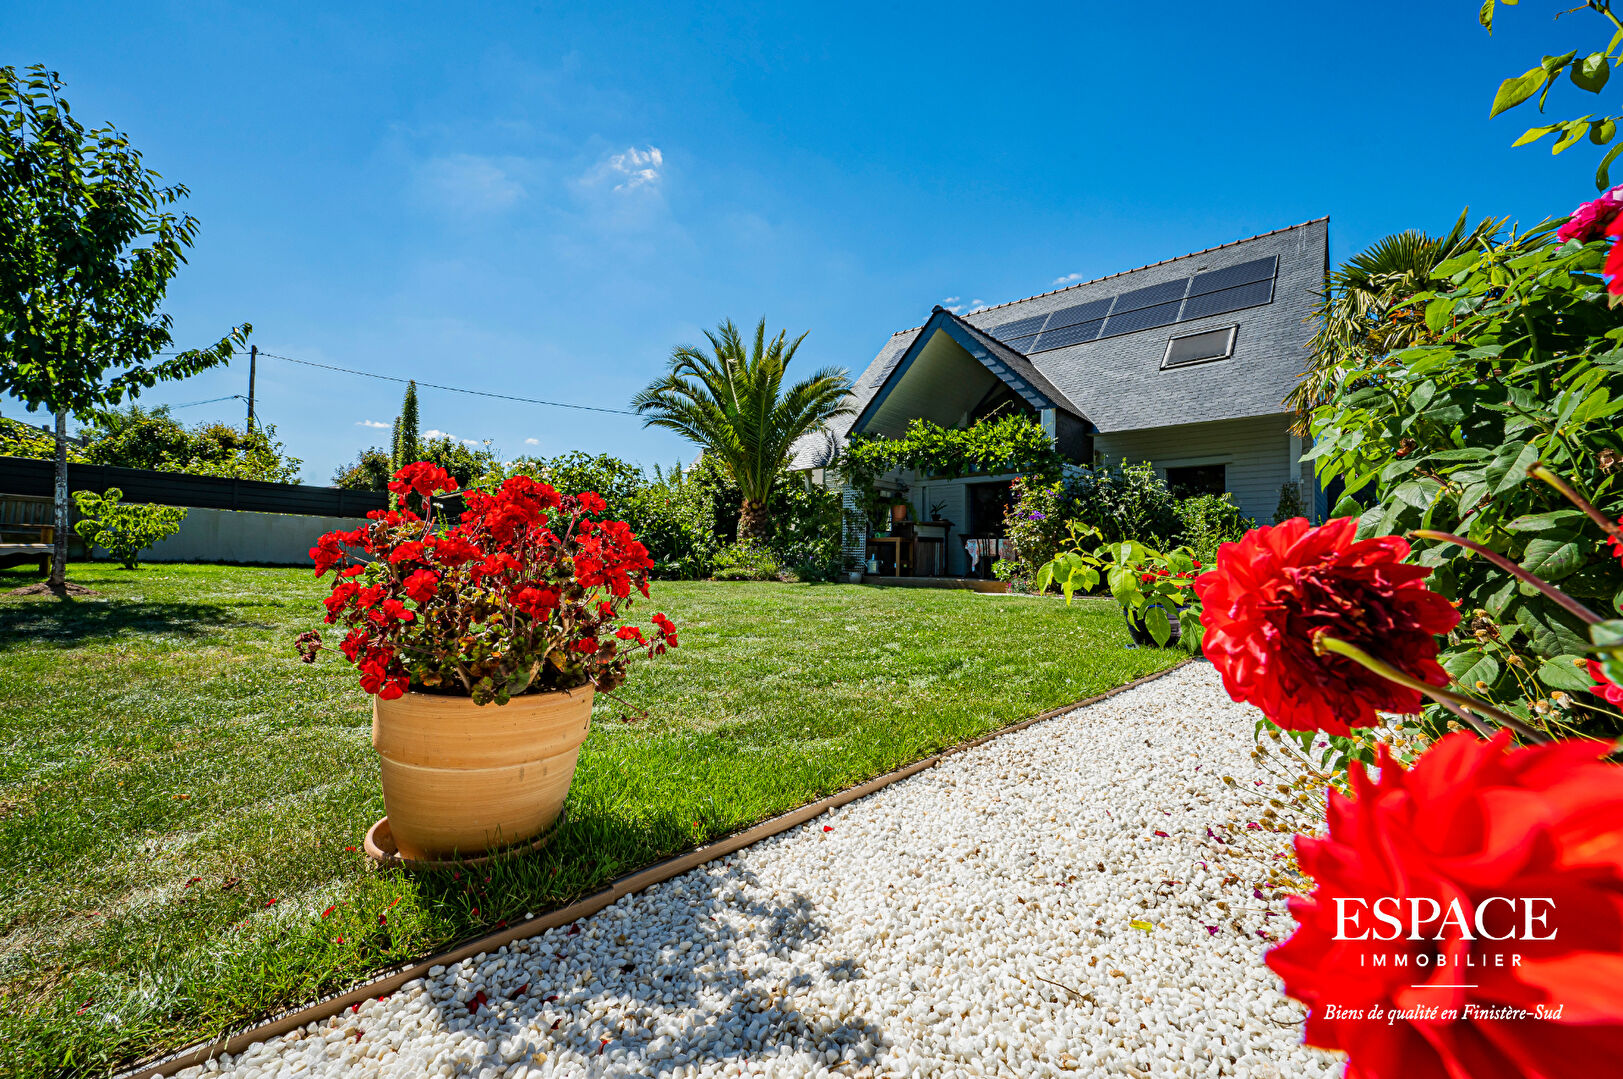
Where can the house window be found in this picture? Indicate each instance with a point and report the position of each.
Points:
(1200, 347)
(1193, 480)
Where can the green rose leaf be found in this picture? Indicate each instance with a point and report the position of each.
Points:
(1517, 89)
(1552, 558)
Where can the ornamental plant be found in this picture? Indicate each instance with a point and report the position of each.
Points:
(525, 592)
(1521, 362)
(1152, 586)
(123, 531)
(1429, 879)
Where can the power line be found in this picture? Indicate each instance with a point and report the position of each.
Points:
(210, 401)
(452, 389)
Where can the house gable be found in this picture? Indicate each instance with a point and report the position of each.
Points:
(949, 367)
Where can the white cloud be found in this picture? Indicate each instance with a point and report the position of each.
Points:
(1067, 279)
(532, 442)
(471, 183)
(633, 169)
(435, 432)
(951, 303)
(373, 423)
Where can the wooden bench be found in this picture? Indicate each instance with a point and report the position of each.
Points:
(26, 530)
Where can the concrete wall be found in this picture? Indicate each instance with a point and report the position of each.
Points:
(239, 536)
(1259, 456)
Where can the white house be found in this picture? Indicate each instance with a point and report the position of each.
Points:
(1183, 363)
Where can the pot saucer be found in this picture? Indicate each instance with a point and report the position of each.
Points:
(381, 849)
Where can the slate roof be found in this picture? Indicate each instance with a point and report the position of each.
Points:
(1117, 382)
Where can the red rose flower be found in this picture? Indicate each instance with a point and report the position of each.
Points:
(1605, 688)
(1502, 870)
(453, 551)
(592, 502)
(1590, 220)
(630, 633)
(410, 551)
(1279, 587)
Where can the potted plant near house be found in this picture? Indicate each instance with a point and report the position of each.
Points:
(482, 642)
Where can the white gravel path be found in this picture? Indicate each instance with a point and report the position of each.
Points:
(976, 919)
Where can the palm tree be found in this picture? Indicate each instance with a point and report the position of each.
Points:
(1363, 312)
(732, 404)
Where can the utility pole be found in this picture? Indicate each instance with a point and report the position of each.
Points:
(253, 360)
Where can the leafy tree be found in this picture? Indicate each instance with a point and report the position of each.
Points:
(1364, 311)
(368, 472)
(1589, 73)
(407, 440)
(88, 244)
(139, 438)
(123, 531)
(732, 403)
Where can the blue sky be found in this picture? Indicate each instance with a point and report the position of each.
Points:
(542, 200)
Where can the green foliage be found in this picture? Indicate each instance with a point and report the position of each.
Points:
(1151, 586)
(408, 441)
(1290, 503)
(18, 439)
(1209, 521)
(1525, 366)
(123, 531)
(88, 244)
(135, 437)
(990, 447)
(674, 515)
(1035, 524)
(1365, 310)
(370, 471)
(746, 561)
(732, 403)
(1589, 72)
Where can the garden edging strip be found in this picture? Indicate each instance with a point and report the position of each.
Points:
(591, 904)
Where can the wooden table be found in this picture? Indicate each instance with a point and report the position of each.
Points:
(900, 554)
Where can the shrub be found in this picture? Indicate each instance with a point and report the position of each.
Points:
(1210, 521)
(1035, 524)
(123, 531)
(1126, 502)
(1521, 365)
(526, 593)
(1290, 503)
(747, 562)
(136, 437)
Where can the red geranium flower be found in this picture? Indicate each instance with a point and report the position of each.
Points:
(1503, 869)
(424, 478)
(1279, 587)
(420, 586)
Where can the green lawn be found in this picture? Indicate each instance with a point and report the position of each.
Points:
(181, 799)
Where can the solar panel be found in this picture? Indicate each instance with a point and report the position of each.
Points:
(1022, 344)
(1140, 298)
(1231, 276)
(1082, 312)
(1229, 299)
(1142, 319)
(1018, 328)
(1067, 335)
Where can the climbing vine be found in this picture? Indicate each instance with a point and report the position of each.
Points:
(992, 446)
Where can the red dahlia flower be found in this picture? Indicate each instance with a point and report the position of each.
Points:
(1279, 587)
(1605, 688)
(1482, 878)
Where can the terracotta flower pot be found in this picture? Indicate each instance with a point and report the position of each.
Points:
(463, 779)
